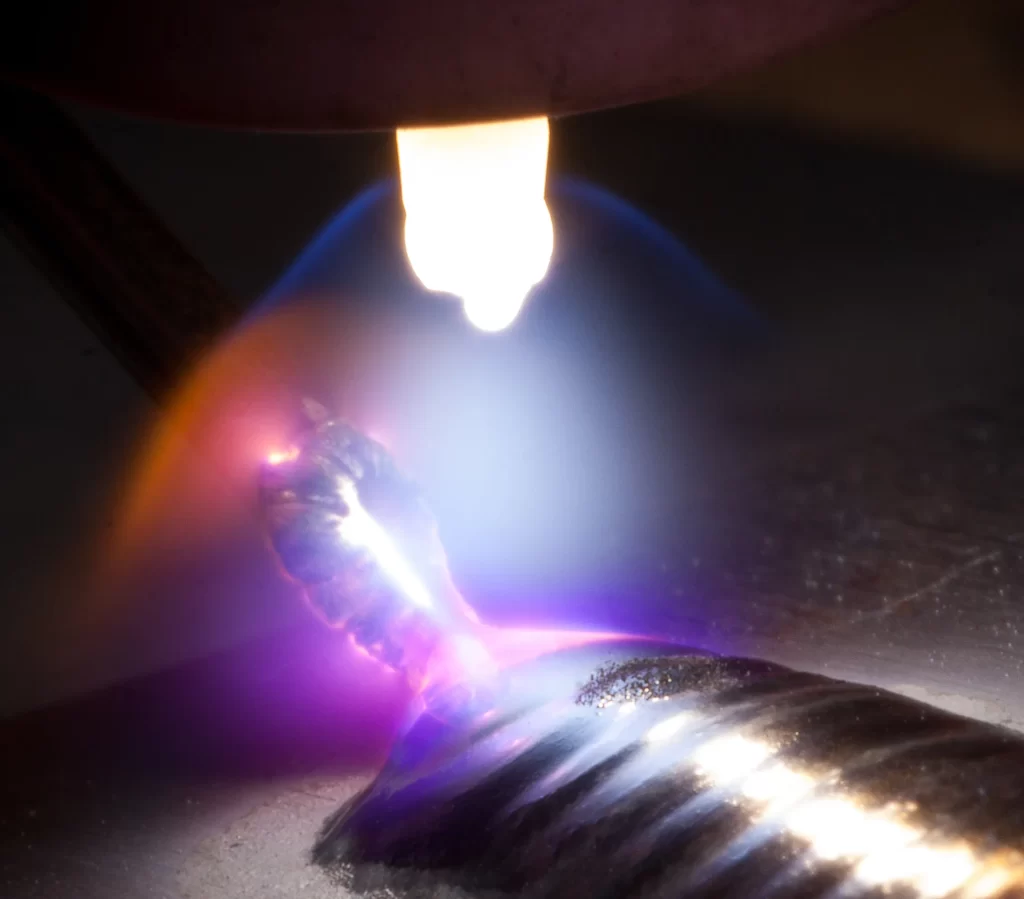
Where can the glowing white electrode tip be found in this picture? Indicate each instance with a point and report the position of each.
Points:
(476, 222)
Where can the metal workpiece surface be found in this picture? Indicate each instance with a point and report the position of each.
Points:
(633, 770)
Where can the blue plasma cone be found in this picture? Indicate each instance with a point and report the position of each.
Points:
(556, 454)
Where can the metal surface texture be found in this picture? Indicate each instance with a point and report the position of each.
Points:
(346, 65)
(349, 527)
(645, 770)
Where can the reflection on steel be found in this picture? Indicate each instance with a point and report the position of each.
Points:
(629, 769)
(348, 526)
(640, 770)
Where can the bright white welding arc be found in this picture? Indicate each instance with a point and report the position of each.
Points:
(360, 528)
(477, 225)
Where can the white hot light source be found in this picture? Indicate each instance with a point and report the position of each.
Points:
(476, 222)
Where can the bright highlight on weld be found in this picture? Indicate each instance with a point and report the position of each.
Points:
(476, 222)
(359, 528)
(882, 848)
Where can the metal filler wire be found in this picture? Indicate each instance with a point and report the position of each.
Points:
(356, 533)
(623, 767)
